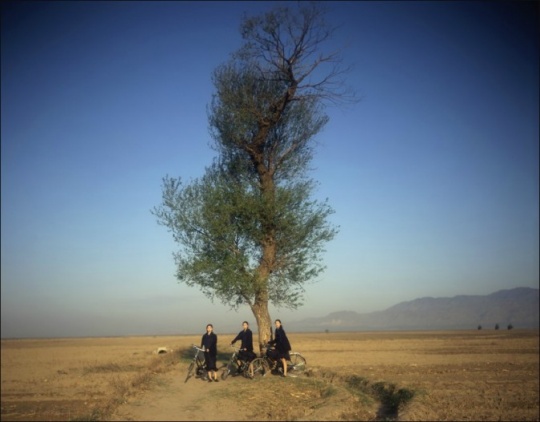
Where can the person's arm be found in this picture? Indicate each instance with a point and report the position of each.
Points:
(238, 337)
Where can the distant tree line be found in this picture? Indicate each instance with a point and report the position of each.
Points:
(510, 326)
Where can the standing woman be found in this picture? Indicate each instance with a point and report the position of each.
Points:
(209, 344)
(283, 347)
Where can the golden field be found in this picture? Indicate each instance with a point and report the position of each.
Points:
(415, 375)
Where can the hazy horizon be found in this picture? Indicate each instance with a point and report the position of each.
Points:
(232, 331)
(433, 175)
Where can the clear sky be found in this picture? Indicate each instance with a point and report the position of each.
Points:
(433, 175)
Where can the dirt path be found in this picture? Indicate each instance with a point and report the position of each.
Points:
(172, 399)
(299, 397)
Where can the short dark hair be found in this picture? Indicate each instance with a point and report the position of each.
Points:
(245, 322)
(278, 320)
(209, 325)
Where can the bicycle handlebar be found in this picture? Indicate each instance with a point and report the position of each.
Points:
(198, 348)
(236, 349)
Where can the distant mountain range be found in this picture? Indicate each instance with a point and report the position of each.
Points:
(518, 306)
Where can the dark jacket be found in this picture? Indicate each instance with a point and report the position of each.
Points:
(281, 341)
(247, 340)
(209, 342)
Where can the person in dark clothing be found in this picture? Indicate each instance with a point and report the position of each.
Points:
(282, 345)
(209, 344)
(246, 347)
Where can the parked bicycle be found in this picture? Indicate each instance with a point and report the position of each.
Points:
(245, 369)
(295, 365)
(197, 366)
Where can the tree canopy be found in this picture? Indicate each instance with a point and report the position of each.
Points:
(249, 229)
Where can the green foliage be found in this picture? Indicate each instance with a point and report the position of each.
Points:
(250, 231)
(218, 222)
(241, 107)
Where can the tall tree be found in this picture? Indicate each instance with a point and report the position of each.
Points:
(249, 229)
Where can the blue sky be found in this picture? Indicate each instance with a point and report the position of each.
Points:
(433, 174)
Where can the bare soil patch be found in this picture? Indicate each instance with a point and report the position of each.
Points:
(437, 375)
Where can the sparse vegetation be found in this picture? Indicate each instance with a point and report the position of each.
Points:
(124, 387)
(108, 368)
(352, 376)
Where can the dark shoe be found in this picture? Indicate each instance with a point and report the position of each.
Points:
(216, 380)
(209, 379)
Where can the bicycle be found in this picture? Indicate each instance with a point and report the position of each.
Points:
(265, 364)
(197, 365)
(246, 369)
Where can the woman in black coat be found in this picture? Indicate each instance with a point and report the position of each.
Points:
(246, 348)
(209, 344)
(283, 347)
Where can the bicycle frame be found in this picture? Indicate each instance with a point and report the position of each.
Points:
(233, 363)
(296, 363)
(196, 362)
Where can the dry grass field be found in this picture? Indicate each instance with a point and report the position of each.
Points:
(436, 375)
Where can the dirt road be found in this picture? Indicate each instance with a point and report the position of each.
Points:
(173, 399)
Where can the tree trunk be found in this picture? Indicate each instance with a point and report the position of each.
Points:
(264, 323)
(266, 265)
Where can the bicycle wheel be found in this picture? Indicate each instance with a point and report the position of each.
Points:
(190, 370)
(231, 368)
(260, 368)
(297, 363)
(201, 368)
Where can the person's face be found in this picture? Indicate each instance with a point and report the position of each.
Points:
(209, 329)
(278, 324)
(245, 326)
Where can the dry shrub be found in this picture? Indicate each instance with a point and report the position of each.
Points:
(109, 367)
